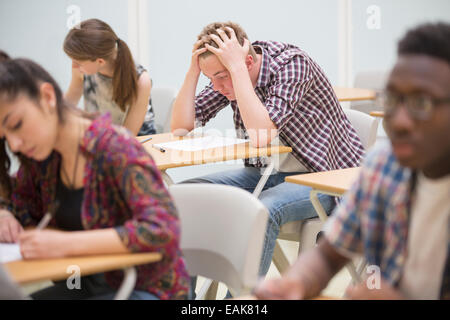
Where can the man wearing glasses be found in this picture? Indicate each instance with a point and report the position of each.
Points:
(397, 213)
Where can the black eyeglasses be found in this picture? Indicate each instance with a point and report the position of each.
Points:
(420, 107)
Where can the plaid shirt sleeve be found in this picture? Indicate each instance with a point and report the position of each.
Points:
(343, 228)
(359, 210)
(207, 104)
(287, 90)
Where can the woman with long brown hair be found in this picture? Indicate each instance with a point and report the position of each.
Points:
(101, 188)
(104, 72)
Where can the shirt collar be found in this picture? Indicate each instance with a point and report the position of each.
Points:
(264, 71)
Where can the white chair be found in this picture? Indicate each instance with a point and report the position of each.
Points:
(366, 126)
(306, 231)
(8, 289)
(162, 101)
(371, 79)
(222, 234)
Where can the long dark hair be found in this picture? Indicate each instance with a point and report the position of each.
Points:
(94, 39)
(23, 76)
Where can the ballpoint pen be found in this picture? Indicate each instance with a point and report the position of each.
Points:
(158, 148)
(47, 217)
(44, 221)
(145, 140)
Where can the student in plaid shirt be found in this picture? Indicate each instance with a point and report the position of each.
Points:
(397, 212)
(277, 92)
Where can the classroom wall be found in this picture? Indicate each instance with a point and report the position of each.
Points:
(375, 49)
(36, 29)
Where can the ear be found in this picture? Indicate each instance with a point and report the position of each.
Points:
(48, 97)
(101, 62)
(249, 62)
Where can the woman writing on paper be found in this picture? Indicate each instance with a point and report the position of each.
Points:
(110, 195)
(103, 71)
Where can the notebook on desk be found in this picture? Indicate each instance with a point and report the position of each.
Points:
(202, 143)
(9, 252)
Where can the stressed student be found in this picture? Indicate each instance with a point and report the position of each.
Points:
(104, 73)
(276, 91)
(102, 188)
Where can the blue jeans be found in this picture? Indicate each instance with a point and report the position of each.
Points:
(93, 287)
(285, 202)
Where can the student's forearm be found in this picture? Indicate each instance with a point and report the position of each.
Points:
(315, 268)
(104, 241)
(183, 113)
(254, 114)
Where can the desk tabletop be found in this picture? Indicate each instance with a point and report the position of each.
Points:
(337, 181)
(378, 114)
(176, 158)
(354, 94)
(28, 271)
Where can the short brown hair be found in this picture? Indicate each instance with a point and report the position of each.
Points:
(205, 36)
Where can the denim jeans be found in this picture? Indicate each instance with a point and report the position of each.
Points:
(93, 287)
(285, 202)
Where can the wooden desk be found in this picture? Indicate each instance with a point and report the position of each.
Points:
(377, 114)
(354, 94)
(176, 158)
(28, 271)
(334, 183)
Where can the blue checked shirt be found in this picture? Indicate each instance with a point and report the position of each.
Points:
(373, 217)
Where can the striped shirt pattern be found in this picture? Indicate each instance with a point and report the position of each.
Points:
(302, 104)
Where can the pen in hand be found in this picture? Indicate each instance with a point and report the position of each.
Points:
(44, 221)
(47, 217)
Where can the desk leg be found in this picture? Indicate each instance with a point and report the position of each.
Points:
(323, 216)
(317, 205)
(265, 176)
(128, 283)
(166, 178)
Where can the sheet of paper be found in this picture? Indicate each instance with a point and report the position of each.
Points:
(203, 143)
(9, 252)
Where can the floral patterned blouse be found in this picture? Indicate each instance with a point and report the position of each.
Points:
(123, 190)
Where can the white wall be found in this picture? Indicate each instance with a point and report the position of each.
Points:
(36, 29)
(376, 49)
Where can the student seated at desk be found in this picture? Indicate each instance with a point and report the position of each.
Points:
(275, 90)
(103, 71)
(111, 196)
(397, 214)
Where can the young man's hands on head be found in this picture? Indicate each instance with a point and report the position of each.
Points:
(195, 68)
(230, 53)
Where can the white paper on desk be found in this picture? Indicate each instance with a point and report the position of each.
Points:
(9, 252)
(203, 143)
